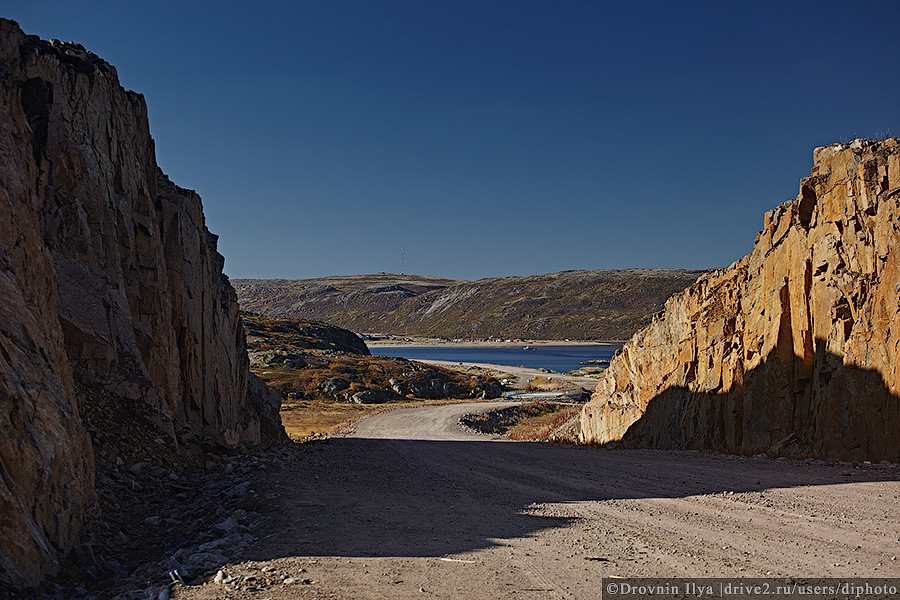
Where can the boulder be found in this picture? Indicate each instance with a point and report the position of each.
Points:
(375, 396)
(335, 384)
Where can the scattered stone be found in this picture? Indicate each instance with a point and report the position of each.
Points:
(227, 526)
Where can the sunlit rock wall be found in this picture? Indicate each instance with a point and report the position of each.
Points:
(794, 347)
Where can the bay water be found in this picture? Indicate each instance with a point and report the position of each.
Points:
(561, 359)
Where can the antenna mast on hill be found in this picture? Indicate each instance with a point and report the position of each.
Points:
(402, 260)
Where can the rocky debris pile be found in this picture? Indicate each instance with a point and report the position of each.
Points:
(378, 380)
(434, 383)
(499, 420)
(158, 525)
(415, 381)
(253, 578)
(796, 345)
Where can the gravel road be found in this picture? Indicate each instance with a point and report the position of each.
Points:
(522, 373)
(412, 506)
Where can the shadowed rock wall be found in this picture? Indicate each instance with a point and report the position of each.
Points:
(110, 285)
(794, 346)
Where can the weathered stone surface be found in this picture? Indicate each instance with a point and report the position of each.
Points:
(335, 384)
(110, 285)
(799, 338)
(375, 396)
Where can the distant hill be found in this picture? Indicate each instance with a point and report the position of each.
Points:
(588, 305)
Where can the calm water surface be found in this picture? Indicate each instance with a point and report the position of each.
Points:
(556, 358)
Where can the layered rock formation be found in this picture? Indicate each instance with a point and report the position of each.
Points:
(792, 348)
(110, 289)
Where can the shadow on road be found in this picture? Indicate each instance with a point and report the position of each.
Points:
(369, 497)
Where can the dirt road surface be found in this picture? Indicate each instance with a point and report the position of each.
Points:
(412, 506)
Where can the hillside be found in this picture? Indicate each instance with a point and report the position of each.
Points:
(309, 360)
(795, 347)
(589, 305)
(299, 335)
(324, 371)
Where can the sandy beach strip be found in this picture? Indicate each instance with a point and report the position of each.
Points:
(523, 374)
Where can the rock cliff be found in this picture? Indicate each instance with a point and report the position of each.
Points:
(793, 348)
(111, 291)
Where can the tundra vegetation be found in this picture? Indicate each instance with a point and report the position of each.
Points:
(328, 379)
(585, 305)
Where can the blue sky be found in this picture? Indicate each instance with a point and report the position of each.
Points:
(490, 138)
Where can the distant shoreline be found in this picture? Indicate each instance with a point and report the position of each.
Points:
(432, 343)
(523, 374)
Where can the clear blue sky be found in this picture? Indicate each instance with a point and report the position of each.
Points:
(490, 138)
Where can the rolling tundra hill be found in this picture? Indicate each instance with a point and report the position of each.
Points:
(589, 305)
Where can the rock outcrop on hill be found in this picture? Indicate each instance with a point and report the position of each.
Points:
(111, 295)
(589, 305)
(309, 360)
(795, 347)
(301, 334)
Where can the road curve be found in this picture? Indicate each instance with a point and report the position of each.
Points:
(411, 506)
(425, 423)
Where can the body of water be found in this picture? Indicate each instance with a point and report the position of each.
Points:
(561, 359)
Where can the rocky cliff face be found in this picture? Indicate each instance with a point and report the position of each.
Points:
(111, 290)
(794, 347)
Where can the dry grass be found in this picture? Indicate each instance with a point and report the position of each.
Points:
(546, 384)
(539, 428)
(303, 418)
(588, 372)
